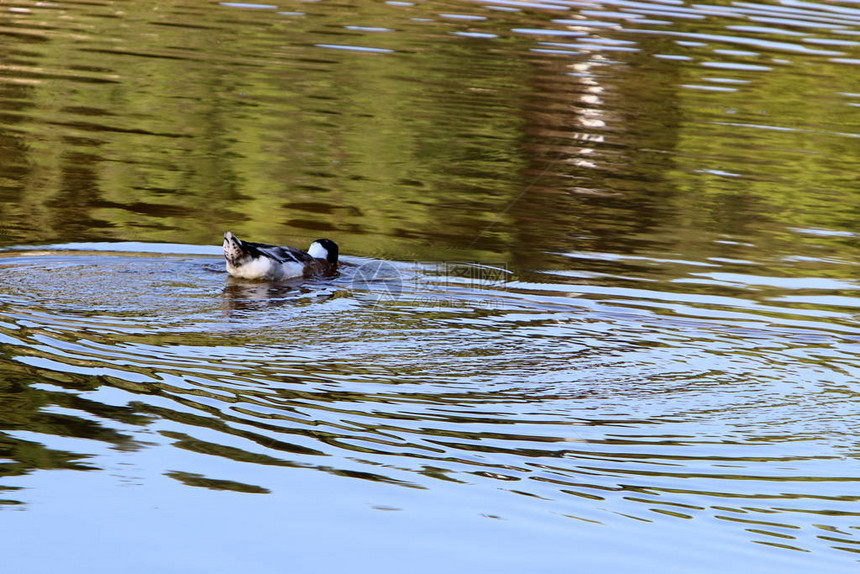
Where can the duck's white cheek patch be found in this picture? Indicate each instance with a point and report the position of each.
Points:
(317, 251)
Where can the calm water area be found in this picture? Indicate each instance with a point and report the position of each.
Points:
(612, 323)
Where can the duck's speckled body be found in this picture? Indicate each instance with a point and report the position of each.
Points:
(247, 260)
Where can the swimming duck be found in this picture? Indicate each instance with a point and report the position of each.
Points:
(248, 260)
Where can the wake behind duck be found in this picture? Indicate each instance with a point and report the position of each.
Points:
(247, 260)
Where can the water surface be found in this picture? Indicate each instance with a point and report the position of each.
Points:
(616, 330)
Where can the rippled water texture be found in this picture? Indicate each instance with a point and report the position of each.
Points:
(598, 309)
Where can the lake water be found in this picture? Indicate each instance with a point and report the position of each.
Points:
(598, 311)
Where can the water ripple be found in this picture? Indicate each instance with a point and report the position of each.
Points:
(455, 405)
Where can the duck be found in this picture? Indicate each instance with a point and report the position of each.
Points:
(246, 260)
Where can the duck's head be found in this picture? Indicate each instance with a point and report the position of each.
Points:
(324, 249)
